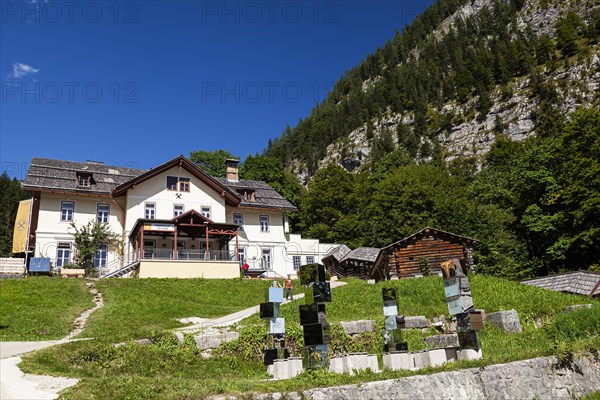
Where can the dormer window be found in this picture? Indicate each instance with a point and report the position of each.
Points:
(247, 194)
(84, 180)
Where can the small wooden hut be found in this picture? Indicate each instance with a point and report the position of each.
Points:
(343, 262)
(359, 262)
(426, 248)
(333, 259)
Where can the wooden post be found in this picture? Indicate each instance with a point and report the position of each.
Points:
(206, 255)
(237, 248)
(141, 243)
(175, 245)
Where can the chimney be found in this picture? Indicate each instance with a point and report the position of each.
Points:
(231, 171)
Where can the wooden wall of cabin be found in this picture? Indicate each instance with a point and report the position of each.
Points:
(406, 258)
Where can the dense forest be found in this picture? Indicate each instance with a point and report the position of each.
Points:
(419, 72)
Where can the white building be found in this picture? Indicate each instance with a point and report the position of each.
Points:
(175, 220)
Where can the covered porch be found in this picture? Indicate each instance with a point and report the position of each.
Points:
(189, 242)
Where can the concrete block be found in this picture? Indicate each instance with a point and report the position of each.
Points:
(358, 327)
(506, 320)
(397, 361)
(372, 362)
(434, 358)
(417, 360)
(285, 369)
(294, 366)
(442, 341)
(468, 354)
(418, 322)
(358, 362)
(371, 281)
(336, 364)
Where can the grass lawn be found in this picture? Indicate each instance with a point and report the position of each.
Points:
(40, 308)
(136, 307)
(168, 370)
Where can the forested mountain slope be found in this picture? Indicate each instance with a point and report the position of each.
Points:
(461, 74)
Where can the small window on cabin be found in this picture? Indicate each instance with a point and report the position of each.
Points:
(205, 211)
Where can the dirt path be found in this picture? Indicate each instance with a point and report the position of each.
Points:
(15, 385)
(79, 323)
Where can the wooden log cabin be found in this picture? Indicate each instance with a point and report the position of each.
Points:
(405, 258)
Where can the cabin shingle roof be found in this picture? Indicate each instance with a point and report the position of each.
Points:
(338, 252)
(580, 282)
(368, 254)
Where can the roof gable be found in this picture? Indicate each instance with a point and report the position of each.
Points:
(182, 162)
(428, 230)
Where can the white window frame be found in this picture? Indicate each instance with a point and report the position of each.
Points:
(146, 209)
(105, 216)
(310, 260)
(60, 258)
(67, 218)
(296, 261)
(175, 209)
(266, 258)
(242, 254)
(240, 218)
(101, 257)
(264, 227)
(205, 213)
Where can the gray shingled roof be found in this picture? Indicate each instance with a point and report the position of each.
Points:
(581, 282)
(59, 175)
(337, 252)
(265, 196)
(363, 254)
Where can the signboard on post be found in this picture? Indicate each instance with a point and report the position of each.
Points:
(159, 227)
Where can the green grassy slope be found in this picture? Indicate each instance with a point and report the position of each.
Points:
(136, 307)
(40, 308)
(169, 370)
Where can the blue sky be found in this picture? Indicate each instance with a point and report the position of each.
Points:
(139, 82)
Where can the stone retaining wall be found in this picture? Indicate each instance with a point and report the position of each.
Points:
(540, 378)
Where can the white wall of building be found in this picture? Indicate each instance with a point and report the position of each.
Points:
(252, 240)
(51, 229)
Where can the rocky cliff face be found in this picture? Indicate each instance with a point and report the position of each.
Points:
(513, 106)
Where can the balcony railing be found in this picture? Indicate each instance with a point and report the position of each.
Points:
(191, 255)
